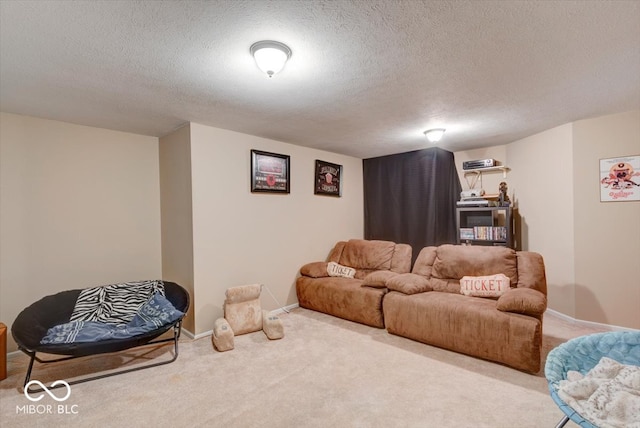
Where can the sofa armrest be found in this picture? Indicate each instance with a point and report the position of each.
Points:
(409, 283)
(378, 279)
(315, 270)
(523, 301)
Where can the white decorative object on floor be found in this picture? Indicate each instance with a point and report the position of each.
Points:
(243, 314)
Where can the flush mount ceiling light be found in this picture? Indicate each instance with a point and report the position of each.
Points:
(270, 56)
(434, 135)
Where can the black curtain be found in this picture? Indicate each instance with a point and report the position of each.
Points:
(411, 198)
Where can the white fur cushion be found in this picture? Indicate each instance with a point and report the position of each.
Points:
(485, 286)
(272, 325)
(222, 336)
(242, 308)
(334, 269)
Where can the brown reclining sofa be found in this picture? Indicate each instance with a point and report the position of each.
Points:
(426, 305)
(345, 297)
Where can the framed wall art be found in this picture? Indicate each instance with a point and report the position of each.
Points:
(620, 179)
(328, 179)
(269, 172)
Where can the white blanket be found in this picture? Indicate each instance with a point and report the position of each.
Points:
(608, 396)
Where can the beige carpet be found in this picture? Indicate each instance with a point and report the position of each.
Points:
(326, 372)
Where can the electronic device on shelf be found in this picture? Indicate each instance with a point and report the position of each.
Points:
(473, 202)
(471, 193)
(480, 163)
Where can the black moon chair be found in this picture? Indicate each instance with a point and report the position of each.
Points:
(33, 322)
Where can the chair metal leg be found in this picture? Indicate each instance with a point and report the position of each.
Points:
(33, 359)
(563, 422)
(32, 354)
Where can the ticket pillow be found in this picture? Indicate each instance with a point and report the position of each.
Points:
(408, 283)
(485, 286)
(378, 279)
(334, 269)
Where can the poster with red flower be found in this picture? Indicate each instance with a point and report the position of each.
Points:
(620, 179)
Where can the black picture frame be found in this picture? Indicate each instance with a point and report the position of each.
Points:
(328, 179)
(270, 172)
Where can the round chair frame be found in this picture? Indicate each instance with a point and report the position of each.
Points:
(582, 354)
(32, 324)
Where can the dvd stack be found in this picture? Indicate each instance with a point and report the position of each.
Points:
(500, 233)
(467, 233)
(486, 233)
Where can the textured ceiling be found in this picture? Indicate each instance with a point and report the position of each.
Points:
(366, 78)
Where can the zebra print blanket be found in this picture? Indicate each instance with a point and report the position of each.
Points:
(115, 303)
(155, 313)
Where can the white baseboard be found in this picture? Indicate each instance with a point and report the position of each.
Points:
(14, 353)
(285, 308)
(210, 332)
(589, 323)
(201, 335)
(187, 333)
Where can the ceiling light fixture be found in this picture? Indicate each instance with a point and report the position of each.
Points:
(270, 56)
(434, 135)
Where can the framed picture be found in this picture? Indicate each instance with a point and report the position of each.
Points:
(620, 179)
(328, 179)
(269, 172)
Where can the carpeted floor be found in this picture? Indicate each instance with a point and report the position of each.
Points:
(325, 372)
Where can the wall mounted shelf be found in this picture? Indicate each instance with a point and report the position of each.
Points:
(479, 171)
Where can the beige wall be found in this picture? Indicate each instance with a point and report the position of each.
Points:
(607, 234)
(541, 180)
(562, 218)
(79, 206)
(543, 211)
(241, 237)
(176, 213)
(82, 206)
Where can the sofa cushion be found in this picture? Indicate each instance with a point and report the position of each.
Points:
(335, 269)
(408, 283)
(401, 260)
(470, 325)
(336, 252)
(363, 254)
(531, 272)
(484, 286)
(424, 263)
(363, 273)
(378, 279)
(523, 301)
(342, 297)
(315, 270)
(456, 261)
(445, 285)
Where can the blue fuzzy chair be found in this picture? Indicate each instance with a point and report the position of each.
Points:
(582, 354)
